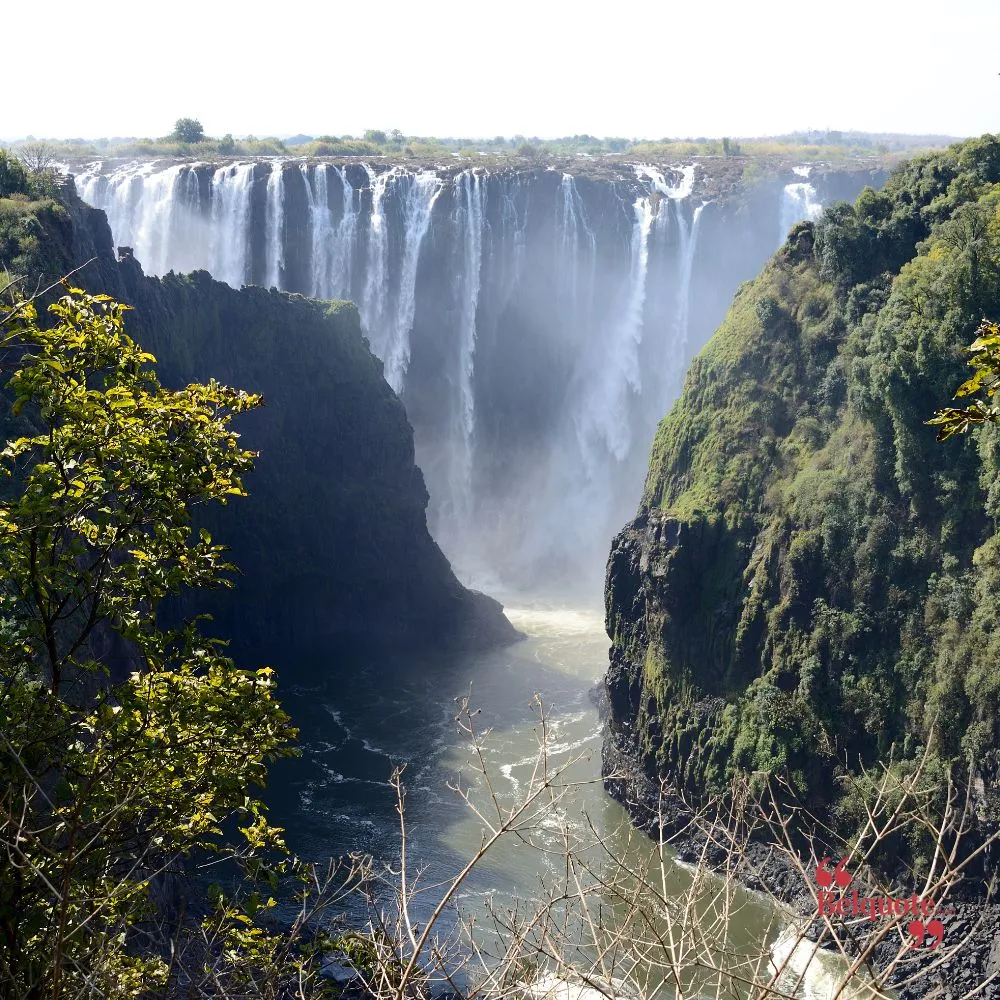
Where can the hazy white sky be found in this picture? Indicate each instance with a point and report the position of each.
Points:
(538, 67)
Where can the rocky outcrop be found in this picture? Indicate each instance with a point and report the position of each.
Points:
(332, 544)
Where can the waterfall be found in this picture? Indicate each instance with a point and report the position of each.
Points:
(685, 267)
(469, 212)
(275, 225)
(536, 325)
(320, 227)
(604, 424)
(374, 298)
(141, 204)
(229, 253)
(342, 257)
(513, 235)
(332, 246)
(798, 204)
(388, 301)
(422, 192)
(576, 239)
(678, 191)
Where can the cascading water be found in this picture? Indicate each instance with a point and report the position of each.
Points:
(603, 424)
(468, 218)
(320, 227)
(342, 256)
(688, 246)
(799, 203)
(537, 323)
(577, 243)
(230, 234)
(374, 300)
(140, 204)
(423, 190)
(275, 225)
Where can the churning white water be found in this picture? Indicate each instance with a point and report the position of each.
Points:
(798, 204)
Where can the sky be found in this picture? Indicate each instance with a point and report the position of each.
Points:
(531, 67)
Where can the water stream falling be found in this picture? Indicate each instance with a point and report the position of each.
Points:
(344, 244)
(469, 197)
(798, 203)
(685, 267)
(577, 243)
(320, 226)
(275, 225)
(229, 237)
(374, 299)
(602, 421)
(422, 191)
(536, 322)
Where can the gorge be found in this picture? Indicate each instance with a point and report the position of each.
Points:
(537, 324)
(536, 321)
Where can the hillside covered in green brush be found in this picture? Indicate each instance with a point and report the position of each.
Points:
(812, 582)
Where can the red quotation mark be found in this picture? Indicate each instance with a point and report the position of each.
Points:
(840, 876)
(919, 931)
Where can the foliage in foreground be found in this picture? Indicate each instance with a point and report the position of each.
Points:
(130, 753)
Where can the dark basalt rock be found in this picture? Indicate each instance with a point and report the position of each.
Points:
(332, 543)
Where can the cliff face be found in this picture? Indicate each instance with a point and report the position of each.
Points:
(810, 584)
(332, 543)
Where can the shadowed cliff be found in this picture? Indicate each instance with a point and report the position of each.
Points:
(332, 543)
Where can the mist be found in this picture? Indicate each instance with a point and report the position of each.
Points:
(536, 322)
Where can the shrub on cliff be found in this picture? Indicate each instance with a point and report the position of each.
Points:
(13, 176)
(844, 559)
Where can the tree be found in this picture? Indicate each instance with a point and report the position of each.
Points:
(13, 177)
(985, 382)
(376, 136)
(188, 130)
(108, 784)
(38, 157)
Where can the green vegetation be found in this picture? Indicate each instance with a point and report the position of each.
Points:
(985, 351)
(188, 130)
(830, 595)
(29, 213)
(188, 140)
(128, 750)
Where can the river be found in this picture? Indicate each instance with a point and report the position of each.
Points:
(383, 713)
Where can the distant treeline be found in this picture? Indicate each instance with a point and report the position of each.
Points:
(827, 145)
